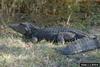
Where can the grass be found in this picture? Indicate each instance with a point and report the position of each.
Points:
(16, 53)
(15, 50)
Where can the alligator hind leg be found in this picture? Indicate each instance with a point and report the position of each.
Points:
(60, 38)
(65, 36)
(68, 36)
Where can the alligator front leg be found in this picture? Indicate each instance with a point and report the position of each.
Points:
(34, 39)
(29, 38)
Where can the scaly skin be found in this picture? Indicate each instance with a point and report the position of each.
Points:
(81, 43)
(79, 46)
(56, 34)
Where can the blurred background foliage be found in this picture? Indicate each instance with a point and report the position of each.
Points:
(80, 14)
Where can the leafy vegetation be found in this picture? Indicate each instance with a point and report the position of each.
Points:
(64, 12)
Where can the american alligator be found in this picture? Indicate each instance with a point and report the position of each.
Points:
(56, 34)
(79, 46)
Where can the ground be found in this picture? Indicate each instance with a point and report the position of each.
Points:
(16, 53)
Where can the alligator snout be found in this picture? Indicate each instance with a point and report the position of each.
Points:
(18, 28)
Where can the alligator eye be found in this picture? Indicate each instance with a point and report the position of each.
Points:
(23, 24)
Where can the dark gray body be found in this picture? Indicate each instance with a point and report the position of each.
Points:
(79, 46)
(57, 34)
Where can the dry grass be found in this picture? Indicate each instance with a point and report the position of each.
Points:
(15, 53)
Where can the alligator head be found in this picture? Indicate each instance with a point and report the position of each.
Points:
(23, 28)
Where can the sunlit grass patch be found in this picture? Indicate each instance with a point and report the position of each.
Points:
(7, 58)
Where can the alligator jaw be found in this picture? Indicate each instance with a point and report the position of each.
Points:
(17, 28)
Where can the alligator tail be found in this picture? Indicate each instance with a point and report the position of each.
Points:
(79, 46)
